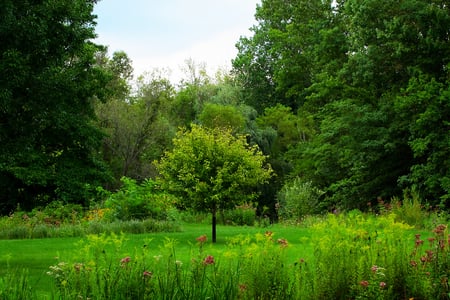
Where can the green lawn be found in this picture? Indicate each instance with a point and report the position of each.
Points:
(36, 255)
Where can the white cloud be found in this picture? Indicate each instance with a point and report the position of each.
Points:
(164, 34)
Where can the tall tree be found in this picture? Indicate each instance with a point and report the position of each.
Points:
(137, 126)
(47, 84)
(275, 65)
(373, 75)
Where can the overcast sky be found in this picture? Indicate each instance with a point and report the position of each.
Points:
(164, 33)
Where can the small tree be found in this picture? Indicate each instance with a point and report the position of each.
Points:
(211, 170)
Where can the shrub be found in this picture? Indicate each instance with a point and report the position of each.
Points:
(410, 210)
(298, 199)
(139, 201)
(244, 214)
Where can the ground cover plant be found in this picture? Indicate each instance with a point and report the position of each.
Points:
(345, 256)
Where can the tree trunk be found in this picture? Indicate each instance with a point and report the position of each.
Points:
(214, 225)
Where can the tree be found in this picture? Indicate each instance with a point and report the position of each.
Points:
(224, 116)
(373, 77)
(137, 127)
(211, 170)
(48, 81)
(276, 64)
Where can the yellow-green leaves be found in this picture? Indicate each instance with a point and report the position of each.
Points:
(212, 169)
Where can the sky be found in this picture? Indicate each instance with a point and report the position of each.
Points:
(163, 34)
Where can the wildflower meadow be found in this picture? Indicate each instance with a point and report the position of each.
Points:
(343, 256)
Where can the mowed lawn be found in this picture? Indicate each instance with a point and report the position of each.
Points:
(36, 255)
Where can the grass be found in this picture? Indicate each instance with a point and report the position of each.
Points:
(36, 255)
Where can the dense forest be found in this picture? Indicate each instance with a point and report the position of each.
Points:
(348, 99)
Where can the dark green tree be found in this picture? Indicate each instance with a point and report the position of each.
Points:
(276, 64)
(373, 76)
(48, 82)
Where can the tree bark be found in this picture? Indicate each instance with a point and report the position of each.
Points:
(214, 219)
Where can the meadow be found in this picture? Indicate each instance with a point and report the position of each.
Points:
(351, 255)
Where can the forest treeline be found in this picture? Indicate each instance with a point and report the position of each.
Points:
(349, 99)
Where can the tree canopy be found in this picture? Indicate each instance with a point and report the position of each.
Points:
(374, 77)
(211, 170)
(349, 97)
(47, 86)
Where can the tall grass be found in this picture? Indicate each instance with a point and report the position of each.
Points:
(351, 256)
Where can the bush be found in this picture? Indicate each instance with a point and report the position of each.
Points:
(298, 199)
(244, 214)
(139, 201)
(410, 210)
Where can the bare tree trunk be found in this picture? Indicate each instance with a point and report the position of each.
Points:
(214, 219)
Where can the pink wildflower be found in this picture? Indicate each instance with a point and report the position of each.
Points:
(374, 269)
(242, 287)
(202, 239)
(125, 260)
(419, 242)
(364, 283)
(440, 229)
(209, 260)
(382, 285)
(147, 274)
(283, 243)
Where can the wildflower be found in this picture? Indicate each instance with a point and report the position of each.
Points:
(431, 240)
(147, 274)
(382, 285)
(419, 242)
(423, 259)
(209, 260)
(242, 287)
(178, 263)
(440, 229)
(413, 263)
(374, 269)
(418, 236)
(202, 239)
(283, 243)
(364, 283)
(125, 260)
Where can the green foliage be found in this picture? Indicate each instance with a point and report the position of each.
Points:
(372, 79)
(47, 138)
(346, 256)
(297, 199)
(410, 210)
(244, 214)
(222, 116)
(139, 201)
(425, 102)
(57, 220)
(346, 247)
(15, 286)
(429, 265)
(137, 127)
(210, 169)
